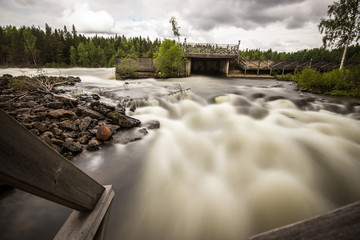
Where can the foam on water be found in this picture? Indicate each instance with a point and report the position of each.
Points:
(215, 173)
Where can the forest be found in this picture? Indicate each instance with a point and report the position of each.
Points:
(35, 47)
(316, 54)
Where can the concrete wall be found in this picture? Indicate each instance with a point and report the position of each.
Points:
(142, 64)
(210, 66)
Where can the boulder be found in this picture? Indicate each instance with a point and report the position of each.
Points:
(72, 145)
(123, 120)
(41, 127)
(95, 96)
(55, 105)
(68, 125)
(31, 104)
(113, 128)
(35, 131)
(85, 123)
(91, 113)
(61, 113)
(40, 108)
(152, 125)
(70, 134)
(57, 131)
(57, 142)
(103, 133)
(93, 145)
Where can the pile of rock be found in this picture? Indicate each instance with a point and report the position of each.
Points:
(67, 125)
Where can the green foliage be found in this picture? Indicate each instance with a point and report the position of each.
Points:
(31, 46)
(170, 59)
(285, 77)
(175, 27)
(316, 54)
(77, 93)
(345, 82)
(343, 23)
(17, 83)
(127, 68)
(342, 26)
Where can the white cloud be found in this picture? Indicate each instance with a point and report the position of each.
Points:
(87, 20)
(284, 25)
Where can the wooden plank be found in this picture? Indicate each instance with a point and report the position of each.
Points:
(101, 231)
(84, 225)
(29, 164)
(341, 223)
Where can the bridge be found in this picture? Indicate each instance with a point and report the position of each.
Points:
(208, 58)
(225, 60)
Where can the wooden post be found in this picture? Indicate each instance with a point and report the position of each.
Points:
(29, 164)
(85, 225)
(341, 223)
(258, 69)
(245, 66)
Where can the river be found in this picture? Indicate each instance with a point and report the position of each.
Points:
(232, 158)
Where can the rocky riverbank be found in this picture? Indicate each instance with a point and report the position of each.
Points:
(68, 124)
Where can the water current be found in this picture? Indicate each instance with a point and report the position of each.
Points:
(232, 158)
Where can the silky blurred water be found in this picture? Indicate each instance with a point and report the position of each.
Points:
(232, 158)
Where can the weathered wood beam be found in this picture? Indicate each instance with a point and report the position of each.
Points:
(341, 223)
(29, 164)
(84, 225)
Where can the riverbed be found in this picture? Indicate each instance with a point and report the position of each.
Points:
(232, 158)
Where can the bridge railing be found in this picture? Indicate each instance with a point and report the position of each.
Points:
(211, 48)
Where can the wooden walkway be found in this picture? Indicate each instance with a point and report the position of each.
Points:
(280, 67)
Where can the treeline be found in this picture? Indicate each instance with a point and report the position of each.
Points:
(32, 46)
(316, 54)
(35, 47)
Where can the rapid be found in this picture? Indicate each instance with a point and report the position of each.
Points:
(232, 158)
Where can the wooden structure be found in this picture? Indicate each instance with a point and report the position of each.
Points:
(208, 58)
(341, 223)
(31, 165)
(281, 67)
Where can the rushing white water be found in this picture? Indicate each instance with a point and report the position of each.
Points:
(228, 161)
(212, 173)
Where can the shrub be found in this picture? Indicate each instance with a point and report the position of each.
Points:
(17, 83)
(127, 68)
(339, 82)
(309, 80)
(285, 77)
(170, 59)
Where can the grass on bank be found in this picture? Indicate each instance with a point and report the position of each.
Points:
(339, 82)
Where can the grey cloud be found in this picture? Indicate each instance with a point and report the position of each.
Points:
(249, 14)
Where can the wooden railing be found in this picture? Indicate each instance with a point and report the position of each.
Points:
(31, 165)
(211, 48)
(341, 223)
(282, 66)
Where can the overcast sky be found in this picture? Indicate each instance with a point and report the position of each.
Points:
(283, 25)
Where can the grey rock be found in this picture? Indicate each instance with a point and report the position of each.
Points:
(152, 124)
(91, 113)
(68, 125)
(72, 145)
(93, 145)
(85, 123)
